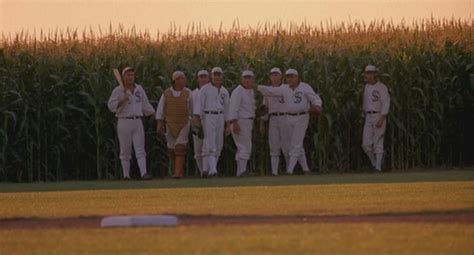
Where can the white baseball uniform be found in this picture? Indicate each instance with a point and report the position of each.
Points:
(197, 142)
(213, 109)
(376, 103)
(242, 110)
(297, 103)
(276, 129)
(160, 115)
(129, 126)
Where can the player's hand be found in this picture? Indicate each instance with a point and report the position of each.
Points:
(379, 123)
(315, 111)
(124, 100)
(236, 128)
(196, 121)
(228, 130)
(160, 127)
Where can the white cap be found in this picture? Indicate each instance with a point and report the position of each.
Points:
(291, 72)
(177, 74)
(371, 68)
(247, 73)
(203, 72)
(275, 70)
(126, 69)
(217, 70)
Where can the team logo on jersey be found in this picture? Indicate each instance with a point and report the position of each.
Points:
(138, 96)
(281, 100)
(375, 96)
(298, 97)
(223, 96)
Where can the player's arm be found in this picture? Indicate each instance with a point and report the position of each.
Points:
(146, 106)
(160, 114)
(117, 100)
(268, 91)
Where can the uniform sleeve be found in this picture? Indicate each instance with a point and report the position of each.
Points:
(270, 91)
(234, 105)
(364, 104)
(146, 106)
(313, 98)
(114, 99)
(226, 107)
(385, 101)
(196, 103)
(199, 108)
(160, 110)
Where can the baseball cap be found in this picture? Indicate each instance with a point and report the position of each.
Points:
(126, 69)
(177, 74)
(217, 70)
(203, 72)
(247, 73)
(291, 72)
(275, 70)
(371, 68)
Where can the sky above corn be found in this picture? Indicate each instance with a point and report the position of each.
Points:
(161, 15)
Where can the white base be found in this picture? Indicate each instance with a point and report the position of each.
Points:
(139, 221)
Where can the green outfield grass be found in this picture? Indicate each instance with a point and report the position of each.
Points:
(348, 194)
(334, 238)
(274, 196)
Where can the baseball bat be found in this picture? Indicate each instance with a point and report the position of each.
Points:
(118, 76)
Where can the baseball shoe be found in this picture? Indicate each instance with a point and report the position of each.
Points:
(205, 174)
(126, 178)
(147, 176)
(306, 172)
(274, 174)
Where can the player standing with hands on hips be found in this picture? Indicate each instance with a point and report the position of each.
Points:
(300, 102)
(241, 117)
(129, 102)
(376, 105)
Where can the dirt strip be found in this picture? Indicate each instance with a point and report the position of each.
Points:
(188, 220)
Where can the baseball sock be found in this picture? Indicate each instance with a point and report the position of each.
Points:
(126, 168)
(275, 161)
(199, 162)
(292, 164)
(142, 166)
(371, 156)
(378, 161)
(303, 162)
(212, 165)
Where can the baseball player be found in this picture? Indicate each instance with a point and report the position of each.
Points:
(241, 116)
(203, 79)
(212, 112)
(173, 115)
(129, 102)
(277, 122)
(376, 105)
(300, 100)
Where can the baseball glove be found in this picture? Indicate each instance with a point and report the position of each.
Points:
(261, 111)
(198, 131)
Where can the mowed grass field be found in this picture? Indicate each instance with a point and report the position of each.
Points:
(348, 194)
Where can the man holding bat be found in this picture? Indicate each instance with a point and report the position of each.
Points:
(130, 103)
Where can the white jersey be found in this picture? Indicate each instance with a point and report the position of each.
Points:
(295, 101)
(160, 110)
(212, 99)
(195, 99)
(275, 104)
(137, 105)
(376, 98)
(242, 103)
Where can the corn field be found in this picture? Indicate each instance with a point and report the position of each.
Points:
(54, 123)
